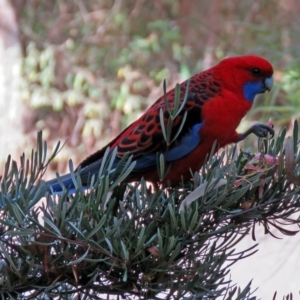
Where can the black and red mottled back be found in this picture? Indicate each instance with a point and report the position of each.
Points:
(145, 134)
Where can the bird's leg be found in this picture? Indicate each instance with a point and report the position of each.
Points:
(260, 130)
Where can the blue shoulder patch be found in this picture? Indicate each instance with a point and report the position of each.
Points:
(187, 144)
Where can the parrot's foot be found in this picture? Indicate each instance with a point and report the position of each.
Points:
(260, 130)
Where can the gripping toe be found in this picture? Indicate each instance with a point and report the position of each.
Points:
(262, 130)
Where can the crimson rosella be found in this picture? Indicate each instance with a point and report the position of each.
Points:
(217, 100)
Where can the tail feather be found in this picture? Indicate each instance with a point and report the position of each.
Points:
(55, 185)
(109, 165)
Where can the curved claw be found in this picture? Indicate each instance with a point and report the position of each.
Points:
(260, 130)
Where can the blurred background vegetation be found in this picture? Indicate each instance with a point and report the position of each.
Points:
(89, 68)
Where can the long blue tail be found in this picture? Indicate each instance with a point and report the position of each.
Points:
(57, 186)
(117, 169)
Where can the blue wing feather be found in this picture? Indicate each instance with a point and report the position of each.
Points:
(187, 144)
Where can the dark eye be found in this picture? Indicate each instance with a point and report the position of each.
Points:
(256, 72)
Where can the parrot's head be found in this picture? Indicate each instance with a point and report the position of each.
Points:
(252, 74)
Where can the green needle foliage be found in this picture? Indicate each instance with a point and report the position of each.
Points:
(137, 241)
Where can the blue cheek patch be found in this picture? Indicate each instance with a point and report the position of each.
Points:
(251, 89)
(187, 144)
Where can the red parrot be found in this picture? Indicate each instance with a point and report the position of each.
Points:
(217, 100)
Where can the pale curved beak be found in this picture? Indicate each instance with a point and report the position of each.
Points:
(269, 82)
